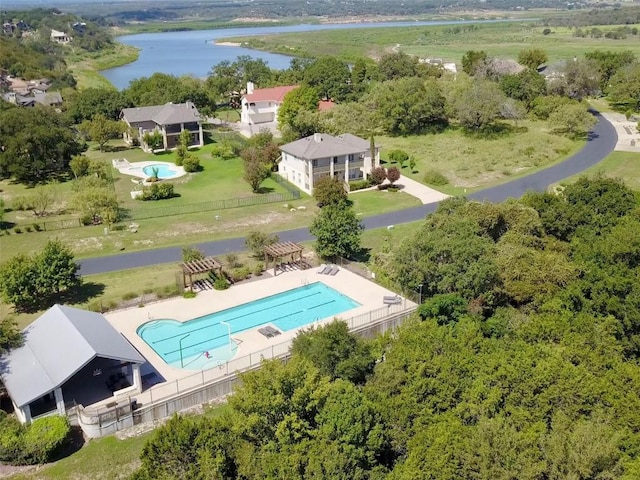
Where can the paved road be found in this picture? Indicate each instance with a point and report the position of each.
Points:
(601, 142)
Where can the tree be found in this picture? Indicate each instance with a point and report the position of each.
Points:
(95, 200)
(393, 175)
(478, 105)
(303, 98)
(609, 63)
(43, 198)
(393, 66)
(57, 271)
(255, 170)
(581, 79)
(335, 352)
(525, 86)
(337, 230)
(329, 191)
(330, 77)
(378, 175)
(471, 60)
(37, 144)
(87, 103)
(257, 240)
(182, 151)
(398, 156)
(412, 163)
(574, 120)
(189, 254)
(18, 283)
(101, 129)
(79, 165)
(154, 140)
(624, 88)
(532, 58)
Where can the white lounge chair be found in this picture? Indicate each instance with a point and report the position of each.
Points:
(392, 299)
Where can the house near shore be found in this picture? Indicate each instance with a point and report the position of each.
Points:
(345, 157)
(69, 357)
(60, 37)
(169, 119)
(260, 105)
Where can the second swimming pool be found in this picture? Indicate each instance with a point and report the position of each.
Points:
(185, 344)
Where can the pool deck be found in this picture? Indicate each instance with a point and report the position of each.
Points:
(135, 169)
(368, 294)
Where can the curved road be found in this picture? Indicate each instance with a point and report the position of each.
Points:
(602, 141)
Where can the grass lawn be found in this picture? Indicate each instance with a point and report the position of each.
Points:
(85, 66)
(449, 42)
(470, 162)
(622, 165)
(373, 202)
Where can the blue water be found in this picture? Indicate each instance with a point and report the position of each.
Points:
(164, 171)
(182, 344)
(195, 53)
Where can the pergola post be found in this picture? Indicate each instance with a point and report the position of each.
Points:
(57, 393)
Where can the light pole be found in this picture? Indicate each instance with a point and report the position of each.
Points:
(180, 344)
(229, 332)
(420, 287)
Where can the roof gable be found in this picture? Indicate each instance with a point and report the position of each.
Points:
(56, 346)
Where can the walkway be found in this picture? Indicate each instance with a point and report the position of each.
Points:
(421, 192)
(601, 143)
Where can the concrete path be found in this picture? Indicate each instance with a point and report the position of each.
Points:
(601, 143)
(627, 131)
(421, 192)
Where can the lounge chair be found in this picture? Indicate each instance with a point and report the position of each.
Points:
(265, 332)
(325, 270)
(322, 269)
(272, 331)
(334, 270)
(392, 299)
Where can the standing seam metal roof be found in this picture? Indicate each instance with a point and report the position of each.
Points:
(56, 346)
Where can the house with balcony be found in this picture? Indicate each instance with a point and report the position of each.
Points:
(169, 119)
(345, 157)
(260, 105)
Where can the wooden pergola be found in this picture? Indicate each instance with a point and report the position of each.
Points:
(197, 267)
(278, 251)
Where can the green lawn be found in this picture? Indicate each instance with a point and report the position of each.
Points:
(622, 165)
(373, 202)
(471, 162)
(448, 42)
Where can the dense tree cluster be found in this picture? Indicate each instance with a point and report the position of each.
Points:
(522, 361)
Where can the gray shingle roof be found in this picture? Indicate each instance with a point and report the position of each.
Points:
(323, 145)
(167, 114)
(56, 346)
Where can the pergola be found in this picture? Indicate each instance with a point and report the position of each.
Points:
(196, 267)
(278, 251)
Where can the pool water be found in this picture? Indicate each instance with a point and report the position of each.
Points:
(186, 344)
(164, 170)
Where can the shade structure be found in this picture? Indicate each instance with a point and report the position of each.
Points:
(278, 251)
(197, 267)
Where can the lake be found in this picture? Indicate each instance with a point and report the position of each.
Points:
(194, 52)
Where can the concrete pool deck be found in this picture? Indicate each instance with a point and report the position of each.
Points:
(368, 294)
(136, 169)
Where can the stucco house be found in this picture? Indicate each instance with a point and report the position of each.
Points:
(69, 357)
(169, 119)
(260, 105)
(345, 157)
(60, 37)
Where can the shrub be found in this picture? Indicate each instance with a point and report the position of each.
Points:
(393, 175)
(240, 273)
(220, 283)
(378, 175)
(398, 156)
(359, 185)
(329, 191)
(22, 202)
(258, 268)
(45, 437)
(434, 177)
(11, 439)
(37, 227)
(383, 186)
(157, 191)
(191, 164)
(257, 240)
(27, 229)
(189, 254)
(232, 260)
(129, 296)
(17, 230)
(189, 294)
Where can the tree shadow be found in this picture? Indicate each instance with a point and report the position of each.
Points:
(4, 225)
(493, 131)
(363, 256)
(265, 190)
(116, 148)
(83, 293)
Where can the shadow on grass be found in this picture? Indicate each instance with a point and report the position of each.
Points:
(265, 190)
(494, 131)
(116, 148)
(82, 294)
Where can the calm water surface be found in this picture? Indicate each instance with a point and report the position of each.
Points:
(194, 52)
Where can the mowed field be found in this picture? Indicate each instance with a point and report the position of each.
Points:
(448, 42)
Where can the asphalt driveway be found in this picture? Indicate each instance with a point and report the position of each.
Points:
(602, 141)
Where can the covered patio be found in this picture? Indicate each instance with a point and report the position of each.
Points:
(278, 252)
(199, 267)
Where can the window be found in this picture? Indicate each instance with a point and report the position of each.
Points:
(335, 160)
(314, 163)
(351, 157)
(355, 173)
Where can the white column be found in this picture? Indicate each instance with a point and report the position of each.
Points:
(137, 379)
(59, 401)
(23, 413)
(200, 134)
(346, 169)
(310, 169)
(331, 166)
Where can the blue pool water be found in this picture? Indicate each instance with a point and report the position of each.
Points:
(184, 345)
(164, 170)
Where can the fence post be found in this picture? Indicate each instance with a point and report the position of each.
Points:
(177, 387)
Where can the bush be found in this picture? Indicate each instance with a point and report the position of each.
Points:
(329, 191)
(398, 156)
(393, 175)
(220, 283)
(27, 229)
(359, 185)
(37, 227)
(191, 164)
(258, 269)
(17, 230)
(40, 442)
(378, 175)
(22, 202)
(158, 191)
(257, 240)
(434, 177)
(189, 294)
(240, 273)
(232, 260)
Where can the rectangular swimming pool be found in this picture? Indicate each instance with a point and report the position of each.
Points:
(187, 344)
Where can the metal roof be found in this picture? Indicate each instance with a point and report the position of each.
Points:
(169, 113)
(323, 145)
(56, 346)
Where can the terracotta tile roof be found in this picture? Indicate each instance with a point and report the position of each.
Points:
(325, 105)
(274, 94)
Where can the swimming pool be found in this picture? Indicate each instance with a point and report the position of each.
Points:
(164, 170)
(185, 344)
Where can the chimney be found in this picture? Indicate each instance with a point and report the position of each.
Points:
(317, 137)
(250, 87)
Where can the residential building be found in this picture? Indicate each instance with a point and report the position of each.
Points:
(60, 37)
(50, 99)
(169, 119)
(345, 157)
(260, 105)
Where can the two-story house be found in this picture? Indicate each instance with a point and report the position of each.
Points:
(345, 157)
(260, 105)
(169, 119)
